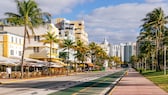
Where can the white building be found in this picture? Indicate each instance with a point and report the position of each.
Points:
(122, 51)
(66, 31)
(106, 47)
(37, 49)
(115, 50)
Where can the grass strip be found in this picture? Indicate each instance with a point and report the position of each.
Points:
(158, 78)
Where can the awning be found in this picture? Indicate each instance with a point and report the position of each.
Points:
(90, 64)
(59, 62)
(8, 61)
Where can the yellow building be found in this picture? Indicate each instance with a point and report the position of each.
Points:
(10, 44)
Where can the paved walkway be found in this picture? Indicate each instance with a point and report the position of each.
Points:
(136, 84)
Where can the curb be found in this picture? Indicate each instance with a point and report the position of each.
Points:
(30, 79)
(24, 80)
(110, 89)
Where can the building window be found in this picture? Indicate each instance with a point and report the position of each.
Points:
(20, 53)
(16, 40)
(66, 33)
(20, 41)
(11, 52)
(36, 49)
(1, 27)
(12, 39)
(55, 51)
(36, 38)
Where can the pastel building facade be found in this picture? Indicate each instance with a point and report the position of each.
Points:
(66, 31)
(80, 33)
(73, 29)
(106, 47)
(35, 48)
(10, 44)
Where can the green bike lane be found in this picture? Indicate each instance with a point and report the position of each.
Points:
(95, 87)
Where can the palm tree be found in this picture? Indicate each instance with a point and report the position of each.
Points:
(147, 49)
(147, 43)
(29, 16)
(92, 46)
(82, 52)
(101, 56)
(63, 55)
(155, 22)
(165, 43)
(117, 60)
(110, 59)
(134, 60)
(50, 38)
(141, 57)
(67, 45)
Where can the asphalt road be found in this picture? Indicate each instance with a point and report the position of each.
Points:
(49, 85)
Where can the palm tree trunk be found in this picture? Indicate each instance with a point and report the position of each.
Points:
(50, 59)
(68, 63)
(157, 53)
(164, 60)
(22, 59)
(152, 62)
(83, 66)
(145, 63)
(137, 65)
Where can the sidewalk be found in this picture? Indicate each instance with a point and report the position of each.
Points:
(136, 84)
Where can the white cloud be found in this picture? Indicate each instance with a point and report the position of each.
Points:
(120, 23)
(154, 1)
(7, 6)
(55, 7)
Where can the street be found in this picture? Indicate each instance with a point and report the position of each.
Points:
(49, 85)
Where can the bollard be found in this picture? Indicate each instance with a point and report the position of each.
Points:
(140, 71)
(126, 73)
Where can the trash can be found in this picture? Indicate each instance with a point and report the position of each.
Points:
(140, 71)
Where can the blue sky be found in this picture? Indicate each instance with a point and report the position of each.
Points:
(88, 7)
(117, 20)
